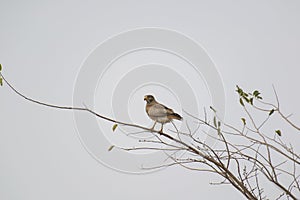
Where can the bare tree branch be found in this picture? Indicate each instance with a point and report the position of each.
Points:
(242, 157)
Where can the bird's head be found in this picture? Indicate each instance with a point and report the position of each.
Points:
(149, 98)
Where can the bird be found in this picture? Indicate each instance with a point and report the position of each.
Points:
(159, 112)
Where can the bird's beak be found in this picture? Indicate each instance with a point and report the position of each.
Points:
(145, 98)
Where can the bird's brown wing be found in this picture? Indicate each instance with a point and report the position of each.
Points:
(171, 114)
(168, 110)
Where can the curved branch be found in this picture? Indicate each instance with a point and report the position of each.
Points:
(213, 158)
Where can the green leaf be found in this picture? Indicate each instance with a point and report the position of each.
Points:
(256, 93)
(278, 132)
(241, 102)
(244, 121)
(0, 67)
(246, 99)
(239, 90)
(114, 127)
(251, 101)
(111, 148)
(271, 112)
(215, 121)
(219, 124)
(212, 109)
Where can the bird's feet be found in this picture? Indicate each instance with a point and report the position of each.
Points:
(161, 129)
(152, 128)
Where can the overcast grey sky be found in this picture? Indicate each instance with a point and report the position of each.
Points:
(43, 45)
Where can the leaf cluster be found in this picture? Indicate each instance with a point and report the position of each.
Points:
(247, 96)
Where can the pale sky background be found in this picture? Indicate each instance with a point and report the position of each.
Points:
(42, 45)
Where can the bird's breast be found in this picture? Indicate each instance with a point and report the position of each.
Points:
(157, 113)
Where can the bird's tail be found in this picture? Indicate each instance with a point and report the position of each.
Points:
(176, 116)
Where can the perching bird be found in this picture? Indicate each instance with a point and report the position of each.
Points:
(159, 113)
